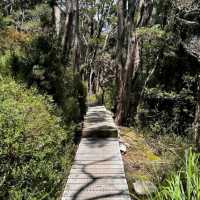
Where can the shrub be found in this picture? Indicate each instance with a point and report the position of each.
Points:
(35, 150)
(5, 60)
(40, 66)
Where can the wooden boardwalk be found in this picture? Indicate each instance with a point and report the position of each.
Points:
(98, 171)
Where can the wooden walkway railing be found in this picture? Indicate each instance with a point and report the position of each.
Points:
(98, 171)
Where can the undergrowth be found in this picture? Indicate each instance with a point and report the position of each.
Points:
(183, 184)
(35, 149)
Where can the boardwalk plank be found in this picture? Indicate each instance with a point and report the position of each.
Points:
(98, 171)
(96, 176)
(98, 181)
(97, 167)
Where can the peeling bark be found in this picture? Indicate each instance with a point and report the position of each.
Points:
(120, 62)
(132, 65)
(128, 71)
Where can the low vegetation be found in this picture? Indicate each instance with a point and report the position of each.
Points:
(36, 148)
(166, 160)
(183, 184)
(150, 157)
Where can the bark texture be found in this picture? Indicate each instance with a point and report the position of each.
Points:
(68, 28)
(76, 52)
(129, 69)
(120, 62)
(146, 8)
(196, 124)
(56, 17)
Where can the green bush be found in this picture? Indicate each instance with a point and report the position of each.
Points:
(81, 94)
(35, 150)
(40, 66)
(167, 103)
(5, 63)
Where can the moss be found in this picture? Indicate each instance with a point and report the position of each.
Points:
(154, 31)
(146, 158)
(139, 157)
(151, 156)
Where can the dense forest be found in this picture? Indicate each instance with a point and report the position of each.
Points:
(139, 58)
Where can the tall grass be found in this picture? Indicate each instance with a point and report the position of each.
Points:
(184, 184)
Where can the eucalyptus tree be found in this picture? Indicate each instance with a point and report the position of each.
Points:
(128, 65)
(95, 24)
(56, 16)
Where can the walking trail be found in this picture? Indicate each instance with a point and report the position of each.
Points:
(98, 171)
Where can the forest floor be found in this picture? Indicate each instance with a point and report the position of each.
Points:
(150, 157)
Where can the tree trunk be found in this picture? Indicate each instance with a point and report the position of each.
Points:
(132, 65)
(76, 56)
(196, 124)
(90, 89)
(128, 72)
(56, 17)
(146, 8)
(121, 5)
(68, 29)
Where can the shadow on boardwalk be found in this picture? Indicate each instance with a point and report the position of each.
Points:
(98, 171)
(94, 179)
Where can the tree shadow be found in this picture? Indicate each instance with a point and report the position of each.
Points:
(94, 179)
(92, 164)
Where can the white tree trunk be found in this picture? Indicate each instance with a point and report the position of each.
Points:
(91, 82)
(57, 18)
